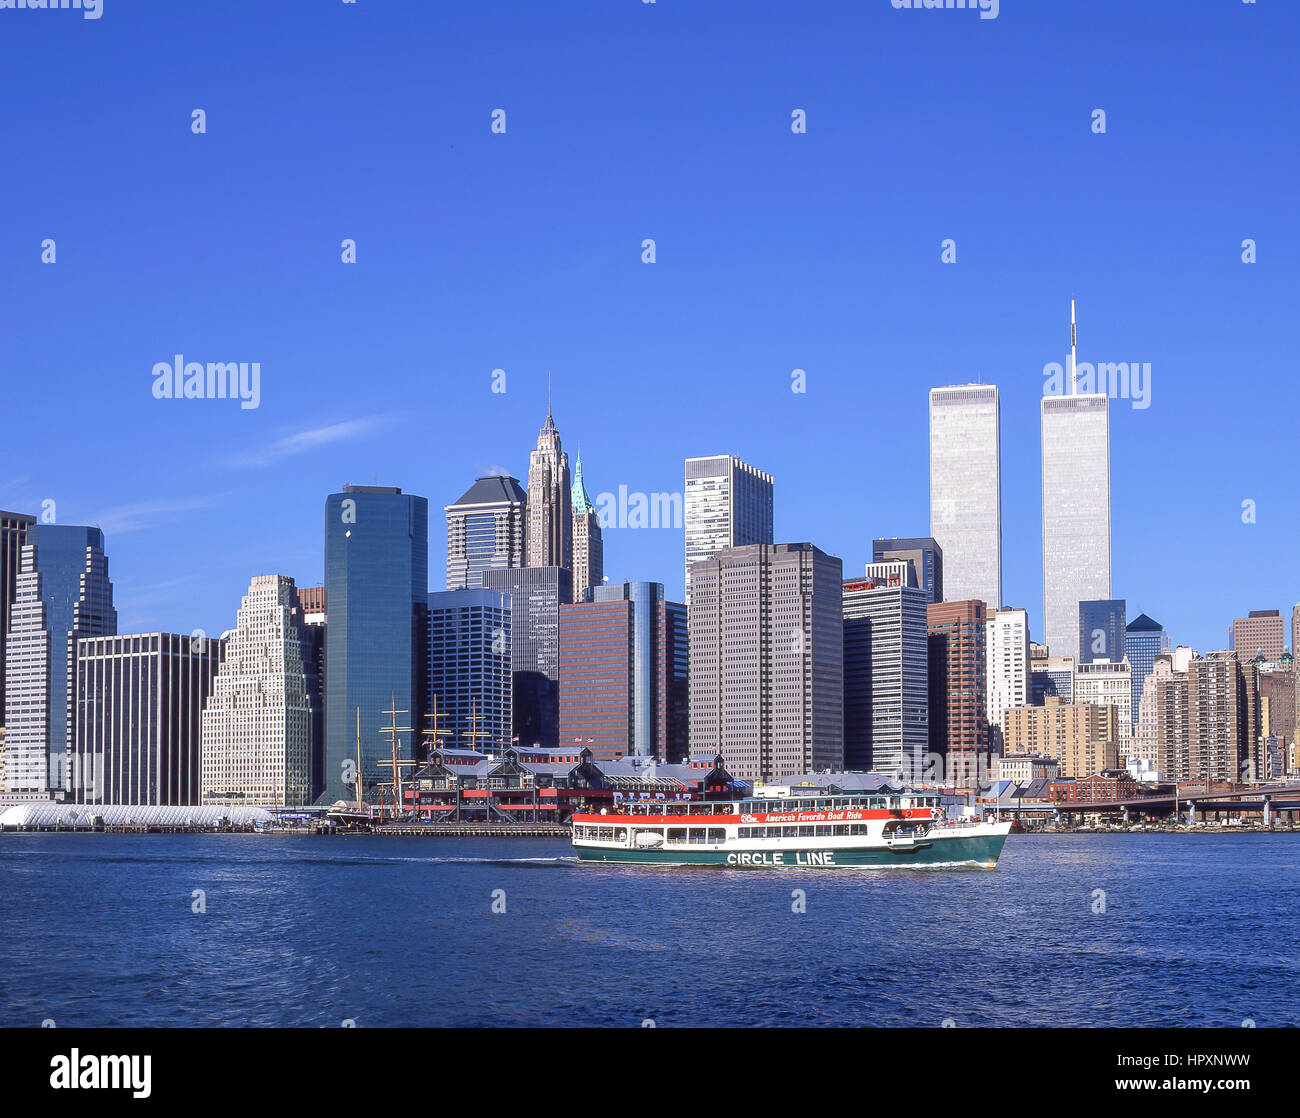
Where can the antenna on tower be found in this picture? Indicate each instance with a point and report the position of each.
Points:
(1074, 344)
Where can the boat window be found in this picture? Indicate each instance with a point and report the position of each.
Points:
(620, 834)
(717, 834)
(676, 834)
(805, 831)
(697, 834)
(823, 831)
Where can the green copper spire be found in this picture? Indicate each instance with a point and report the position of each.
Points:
(582, 503)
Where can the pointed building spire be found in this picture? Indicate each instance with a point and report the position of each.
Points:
(1074, 345)
(582, 503)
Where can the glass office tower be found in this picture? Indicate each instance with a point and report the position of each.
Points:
(1144, 640)
(62, 594)
(535, 596)
(469, 689)
(1101, 630)
(376, 584)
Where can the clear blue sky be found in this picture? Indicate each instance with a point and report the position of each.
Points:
(522, 251)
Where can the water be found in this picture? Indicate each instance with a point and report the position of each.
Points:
(98, 930)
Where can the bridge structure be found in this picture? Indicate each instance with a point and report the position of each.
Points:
(1266, 800)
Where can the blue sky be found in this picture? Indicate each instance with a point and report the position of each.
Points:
(522, 251)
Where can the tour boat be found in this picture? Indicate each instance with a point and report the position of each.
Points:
(794, 830)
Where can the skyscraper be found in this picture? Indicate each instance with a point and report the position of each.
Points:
(62, 594)
(485, 529)
(258, 720)
(1102, 630)
(13, 534)
(1222, 721)
(548, 541)
(1144, 640)
(623, 673)
(886, 679)
(1051, 677)
(1076, 507)
(588, 544)
(1261, 632)
(469, 670)
(1108, 683)
(137, 724)
(966, 490)
(310, 613)
(958, 654)
(923, 553)
(1161, 738)
(767, 660)
(536, 594)
(376, 586)
(1008, 669)
(727, 504)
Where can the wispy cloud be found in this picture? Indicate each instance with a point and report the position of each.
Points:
(314, 437)
(146, 514)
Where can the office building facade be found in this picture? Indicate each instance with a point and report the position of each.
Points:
(259, 722)
(727, 503)
(925, 556)
(13, 534)
(485, 529)
(1102, 630)
(767, 660)
(1051, 677)
(966, 490)
(624, 665)
(62, 593)
(1261, 633)
(536, 594)
(1076, 513)
(376, 587)
(958, 664)
(1008, 669)
(137, 734)
(1144, 640)
(1108, 683)
(469, 703)
(886, 679)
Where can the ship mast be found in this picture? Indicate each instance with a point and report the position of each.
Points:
(358, 782)
(391, 731)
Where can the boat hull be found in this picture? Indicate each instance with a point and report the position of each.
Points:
(979, 850)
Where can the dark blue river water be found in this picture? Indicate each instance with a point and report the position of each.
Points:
(99, 930)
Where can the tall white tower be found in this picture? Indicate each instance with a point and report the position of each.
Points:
(1076, 506)
(966, 490)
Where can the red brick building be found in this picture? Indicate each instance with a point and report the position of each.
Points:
(959, 729)
(623, 683)
(1109, 784)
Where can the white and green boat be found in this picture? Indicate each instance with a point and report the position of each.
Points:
(810, 829)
